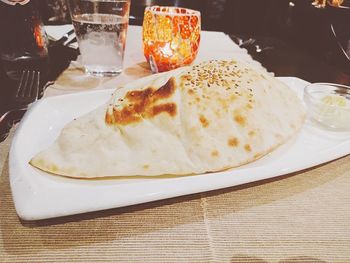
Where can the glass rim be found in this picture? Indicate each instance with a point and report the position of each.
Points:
(308, 88)
(308, 92)
(327, 84)
(189, 12)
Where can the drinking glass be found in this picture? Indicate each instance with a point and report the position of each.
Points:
(171, 37)
(101, 27)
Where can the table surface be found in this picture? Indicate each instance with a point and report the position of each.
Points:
(301, 217)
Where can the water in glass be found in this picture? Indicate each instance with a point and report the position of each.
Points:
(101, 27)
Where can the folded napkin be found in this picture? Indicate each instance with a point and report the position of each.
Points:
(56, 32)
(74, 79)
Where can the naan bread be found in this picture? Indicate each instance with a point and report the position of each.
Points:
(203, 118)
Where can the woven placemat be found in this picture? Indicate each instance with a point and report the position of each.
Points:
(303, 217)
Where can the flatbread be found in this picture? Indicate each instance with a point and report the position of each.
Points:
(198, 119)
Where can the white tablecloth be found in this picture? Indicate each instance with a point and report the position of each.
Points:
(214, 45)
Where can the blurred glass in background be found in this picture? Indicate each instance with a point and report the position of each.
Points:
(23, 41)
(57, 12)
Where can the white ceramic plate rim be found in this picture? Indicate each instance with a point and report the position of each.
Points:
(38, 195)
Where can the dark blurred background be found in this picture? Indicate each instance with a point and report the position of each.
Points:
(322, 32)
(290, 37)
(296, 22)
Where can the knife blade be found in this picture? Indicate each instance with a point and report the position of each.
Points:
(63, 39)
(8, 119)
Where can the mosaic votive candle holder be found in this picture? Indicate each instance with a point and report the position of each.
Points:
(171, 37)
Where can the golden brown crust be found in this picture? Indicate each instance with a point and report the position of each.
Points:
(143, 104)
(204, 121)
(241, 120)
(215, 153)
(233, 142)
(248, 148)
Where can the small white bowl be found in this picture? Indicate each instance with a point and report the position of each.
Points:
(329, 104)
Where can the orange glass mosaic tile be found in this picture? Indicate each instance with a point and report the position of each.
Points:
(171, 37)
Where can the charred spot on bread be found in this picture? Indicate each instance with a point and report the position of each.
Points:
(204, 121)
(143, 104)
(215, 153)
(240, 119)
(233, 142)
(248, 148)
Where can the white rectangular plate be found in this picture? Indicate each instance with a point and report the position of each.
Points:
(38, 195)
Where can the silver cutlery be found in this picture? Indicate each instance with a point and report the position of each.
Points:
(259, 49)
(73, 40)
(27, 92)
(28, 87)
(11, 112)
(63, 39)
(250, 44)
